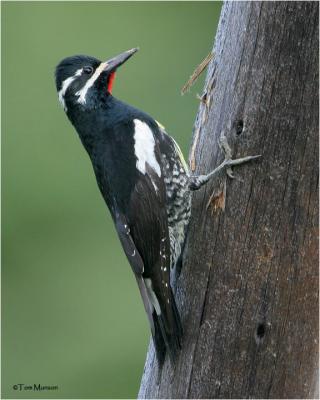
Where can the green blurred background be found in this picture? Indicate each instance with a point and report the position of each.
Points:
(71, 311)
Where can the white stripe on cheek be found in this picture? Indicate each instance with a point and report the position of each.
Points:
(65, 84)
(82, 93)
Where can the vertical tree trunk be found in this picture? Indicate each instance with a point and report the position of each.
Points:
(248, 291)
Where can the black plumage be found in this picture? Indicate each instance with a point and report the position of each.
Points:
(137, 201)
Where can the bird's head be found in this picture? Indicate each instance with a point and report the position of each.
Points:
(83, 80)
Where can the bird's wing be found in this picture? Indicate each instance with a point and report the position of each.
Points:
(145, 238)
(137, 265)
(169, 145)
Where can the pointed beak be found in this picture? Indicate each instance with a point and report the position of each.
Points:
(115, 62)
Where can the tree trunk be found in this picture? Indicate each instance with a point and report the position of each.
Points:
(248, 291)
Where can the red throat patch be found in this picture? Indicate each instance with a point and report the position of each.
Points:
(111, 81)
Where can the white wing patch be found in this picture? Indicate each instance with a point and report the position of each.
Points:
(144, 148)
(65, 84)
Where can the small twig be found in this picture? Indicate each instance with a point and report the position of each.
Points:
(196, 73)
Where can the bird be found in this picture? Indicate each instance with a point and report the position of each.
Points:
(144, 181)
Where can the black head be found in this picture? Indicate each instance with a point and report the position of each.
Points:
(83, 80)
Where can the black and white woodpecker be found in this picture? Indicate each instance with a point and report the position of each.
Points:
(144, 181)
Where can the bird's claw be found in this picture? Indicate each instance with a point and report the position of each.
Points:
(228, 161)
(230, 173)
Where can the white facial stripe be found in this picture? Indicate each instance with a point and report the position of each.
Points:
(90, 82)
(65, 84)
(144, 148)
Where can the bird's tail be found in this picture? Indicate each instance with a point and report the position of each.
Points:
(168, 331)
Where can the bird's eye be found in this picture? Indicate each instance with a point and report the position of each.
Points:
(88, 70)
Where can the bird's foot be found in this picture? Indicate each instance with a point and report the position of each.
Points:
(229, 162)
(196, 182)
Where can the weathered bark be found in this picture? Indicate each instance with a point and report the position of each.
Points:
(248, 291)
